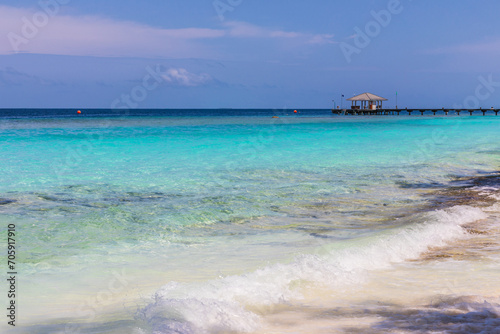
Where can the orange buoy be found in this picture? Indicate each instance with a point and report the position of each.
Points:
(79, 112)
(295, 111)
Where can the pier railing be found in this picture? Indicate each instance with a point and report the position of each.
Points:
(434, 111)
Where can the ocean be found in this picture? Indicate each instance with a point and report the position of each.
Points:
(250, 221)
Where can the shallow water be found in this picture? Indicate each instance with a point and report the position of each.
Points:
(246, 223)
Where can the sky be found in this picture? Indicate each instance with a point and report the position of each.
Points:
(248, 54)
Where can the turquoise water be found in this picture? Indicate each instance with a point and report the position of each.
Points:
(205, 224)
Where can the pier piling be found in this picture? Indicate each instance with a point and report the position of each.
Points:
(397, 111)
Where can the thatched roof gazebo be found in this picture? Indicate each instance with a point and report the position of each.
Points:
(367, 101)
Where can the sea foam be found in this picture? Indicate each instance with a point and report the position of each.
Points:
(233, 303)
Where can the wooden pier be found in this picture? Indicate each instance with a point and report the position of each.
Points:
(371, 104)
(407, 111)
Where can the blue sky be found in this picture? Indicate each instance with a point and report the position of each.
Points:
(247, 54)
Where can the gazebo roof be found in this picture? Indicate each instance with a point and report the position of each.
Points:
(366, 97)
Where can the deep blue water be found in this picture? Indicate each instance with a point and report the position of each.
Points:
(50, 113)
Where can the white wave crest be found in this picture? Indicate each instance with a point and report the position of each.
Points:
(233, 303)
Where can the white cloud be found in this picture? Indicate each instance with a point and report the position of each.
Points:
(181, 77)
(244, 29)
(491, 47)
(322, 39)
(95, 36)
(35, 31)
